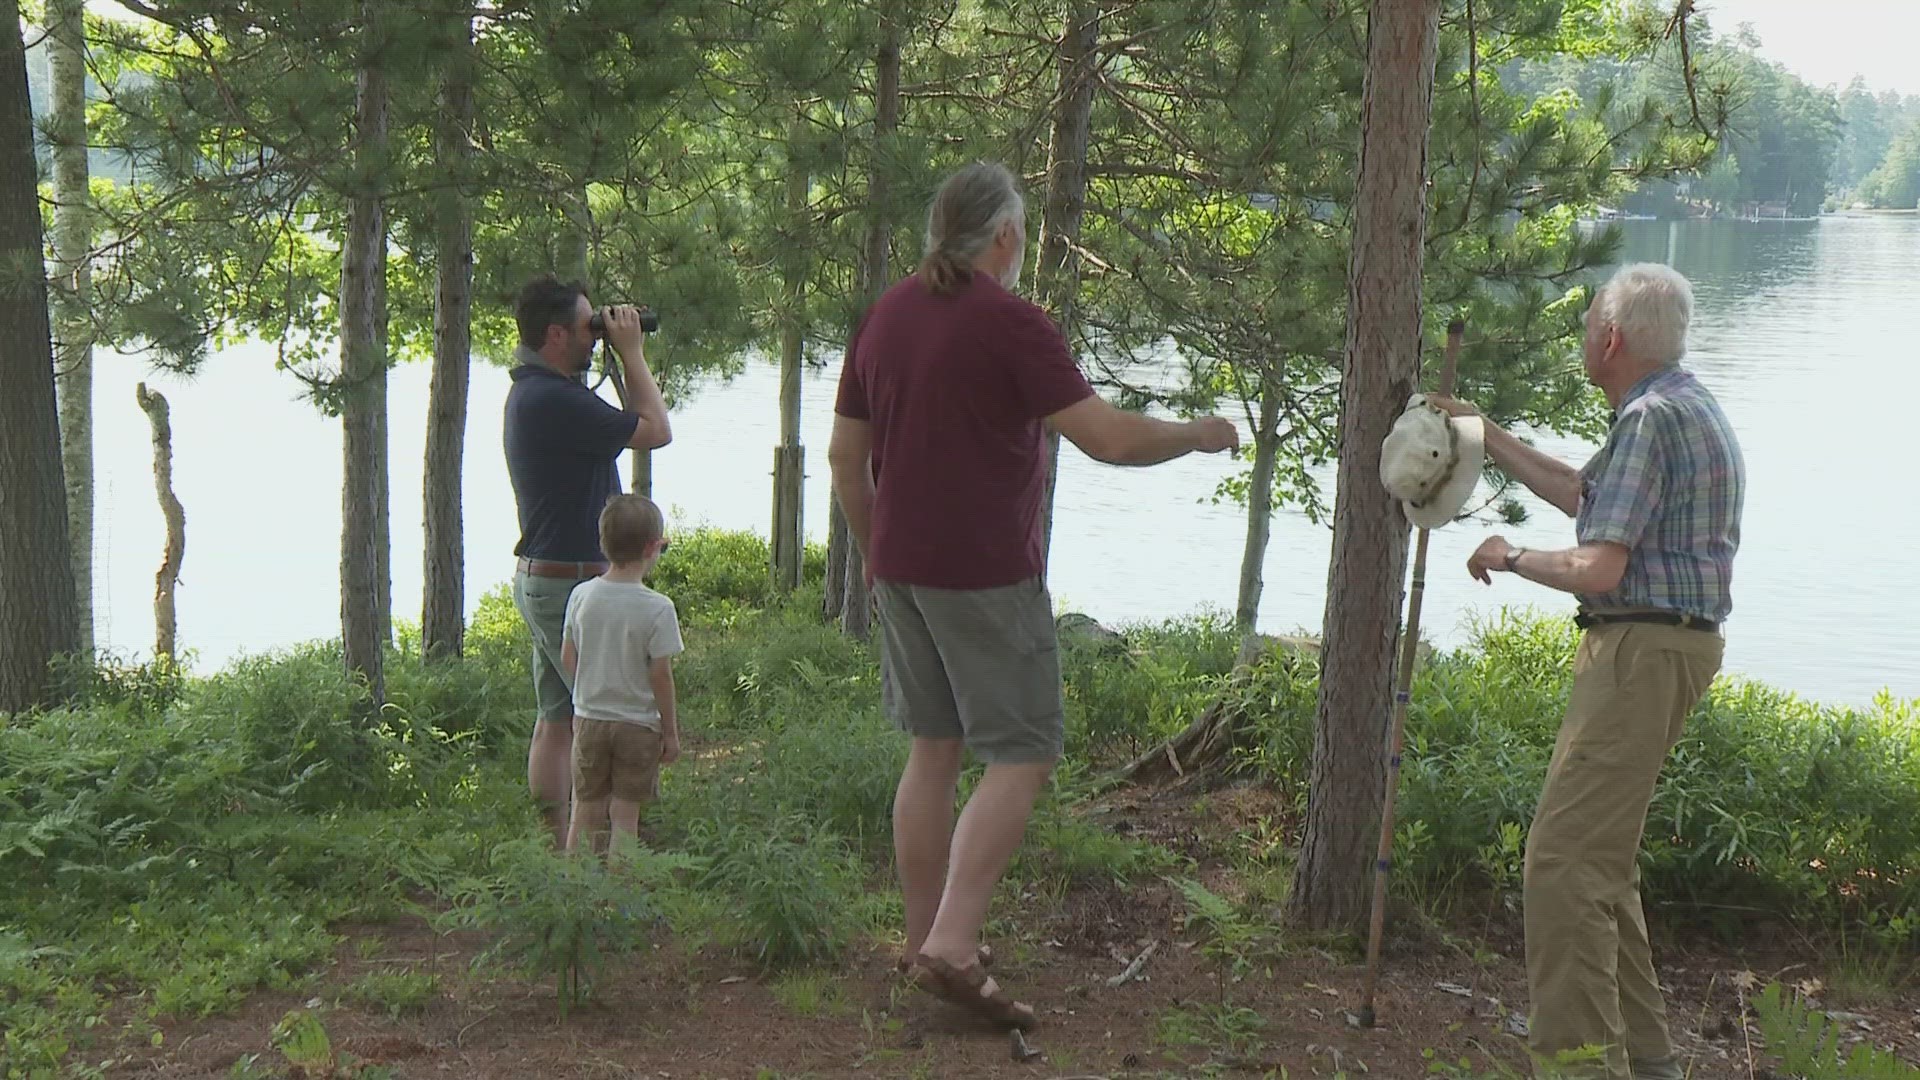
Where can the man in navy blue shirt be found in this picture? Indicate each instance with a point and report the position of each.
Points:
(563, 445)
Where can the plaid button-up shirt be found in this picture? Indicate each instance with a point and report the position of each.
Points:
(1668, 485)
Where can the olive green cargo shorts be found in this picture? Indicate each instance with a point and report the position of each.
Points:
(980, 665)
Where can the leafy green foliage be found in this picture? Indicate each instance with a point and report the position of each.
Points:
(1808, 1043)
(1767, 800)
(717, 577)
(194, 844)
(1895, 182)
(206, 850)
(142, 690)
(1233, 934)
(1123, 696)
(797, 889)
(1785, 141)
(558, 916)
(1235, 1028)
(394, 992)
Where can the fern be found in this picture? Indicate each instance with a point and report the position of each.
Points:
(1233, 935)
(303, 1040)
(1808, 1043)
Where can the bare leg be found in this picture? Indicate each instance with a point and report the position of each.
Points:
(923, 830)
(550, 772)
(588, 831)
(989, 832)
(626, 819)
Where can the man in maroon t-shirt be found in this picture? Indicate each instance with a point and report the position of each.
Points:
(939, 458)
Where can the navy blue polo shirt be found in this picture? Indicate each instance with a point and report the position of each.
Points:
(563, 446)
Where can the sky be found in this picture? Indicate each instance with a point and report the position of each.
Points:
(1829, 41)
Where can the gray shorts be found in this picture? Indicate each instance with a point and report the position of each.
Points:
(981, 665)
(543, 604)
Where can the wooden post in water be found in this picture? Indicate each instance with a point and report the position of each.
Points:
(1402, 694)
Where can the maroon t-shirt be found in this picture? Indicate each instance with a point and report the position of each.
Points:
(956, 389)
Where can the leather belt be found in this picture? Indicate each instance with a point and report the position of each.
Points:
(551, 569)
(1588, 619)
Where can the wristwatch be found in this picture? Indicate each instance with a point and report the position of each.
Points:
(1513, 555)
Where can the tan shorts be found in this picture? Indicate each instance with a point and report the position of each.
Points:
(980, 665)
(612, 757)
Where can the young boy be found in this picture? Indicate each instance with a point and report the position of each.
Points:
(618, 646)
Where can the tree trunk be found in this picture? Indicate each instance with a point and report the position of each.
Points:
(36, 568)
(443, 614)
(71, 291)
(833, 593)
(154, 404)
(365, 584)
(576, 250)
(856, 618)
(789, 459)
(1057, 273)
(846, 570)
(1331, 882)
(643, 471)
(1266, 451)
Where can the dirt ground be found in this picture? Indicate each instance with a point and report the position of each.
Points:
(668, 1014)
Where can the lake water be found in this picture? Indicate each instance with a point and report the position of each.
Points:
(1809, 333)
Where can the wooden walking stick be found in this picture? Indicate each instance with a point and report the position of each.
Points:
(1402, 693)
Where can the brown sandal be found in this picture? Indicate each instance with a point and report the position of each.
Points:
(905, 966)
(967, 988)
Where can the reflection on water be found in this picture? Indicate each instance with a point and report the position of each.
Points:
(1728, 260)
(1806, 331)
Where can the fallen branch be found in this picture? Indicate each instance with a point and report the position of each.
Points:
(1209, 740)
(1133, 969)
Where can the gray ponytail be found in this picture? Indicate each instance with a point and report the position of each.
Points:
(970, 208)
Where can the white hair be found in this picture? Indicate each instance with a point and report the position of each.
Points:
(1651, 304)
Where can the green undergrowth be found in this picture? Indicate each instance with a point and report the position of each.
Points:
(1769, 805)
(170, 843)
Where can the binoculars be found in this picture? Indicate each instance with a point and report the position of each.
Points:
(649, 322)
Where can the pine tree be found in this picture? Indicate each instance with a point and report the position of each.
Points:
(72, 291)
(37, 611)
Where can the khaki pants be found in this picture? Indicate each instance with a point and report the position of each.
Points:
(1589, 968)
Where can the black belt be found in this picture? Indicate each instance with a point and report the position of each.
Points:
(1586, 620)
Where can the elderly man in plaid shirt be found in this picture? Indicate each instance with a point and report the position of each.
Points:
(1657, 519)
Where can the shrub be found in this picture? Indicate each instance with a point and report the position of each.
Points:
(1165, 674)
(1767, 800)
(559, 916)
(141, 691)
(201, 853)
(717, 576)
(794, 893)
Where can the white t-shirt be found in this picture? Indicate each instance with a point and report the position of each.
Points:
(619, 628)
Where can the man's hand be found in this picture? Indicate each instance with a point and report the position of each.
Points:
(1452, 406)
(1491, 555)
(623, 331)
(670, 747)
(1212, 434)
